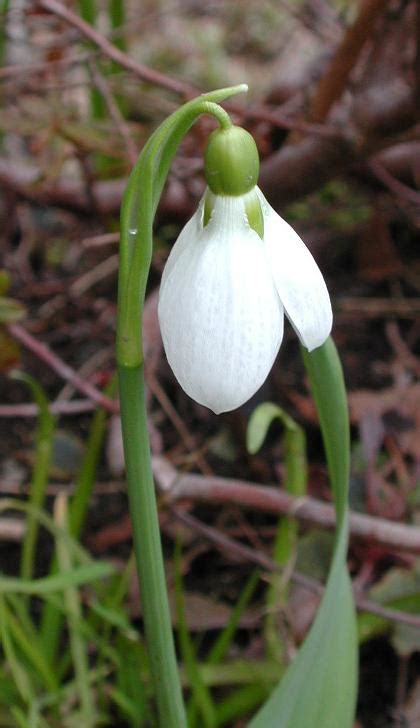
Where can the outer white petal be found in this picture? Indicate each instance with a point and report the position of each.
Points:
(298, 280)
(220, 315)
(191, 231)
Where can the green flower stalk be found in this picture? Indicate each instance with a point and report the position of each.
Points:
(138, 209)
(236, 269)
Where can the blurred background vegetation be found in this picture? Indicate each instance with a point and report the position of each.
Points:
(333, 105)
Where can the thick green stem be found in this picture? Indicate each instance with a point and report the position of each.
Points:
(148, 549)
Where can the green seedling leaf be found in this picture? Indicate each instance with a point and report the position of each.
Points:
(132, 692)
(115, 618)
(314, 554)
(78, 576)
(11, 310)
(398, 589)
(4, 281)
(40, 471)
(9, 351)
(260, 422)
(294, 445)
(240, 703)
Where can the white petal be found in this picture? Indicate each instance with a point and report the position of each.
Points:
(220, 315)
(298, 280)
(190, 232)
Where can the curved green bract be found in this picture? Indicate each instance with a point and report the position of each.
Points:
(319, 689)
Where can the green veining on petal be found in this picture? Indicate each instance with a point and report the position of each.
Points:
(209, 202)
(254, 213)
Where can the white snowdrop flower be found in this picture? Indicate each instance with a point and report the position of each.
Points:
(233, 272)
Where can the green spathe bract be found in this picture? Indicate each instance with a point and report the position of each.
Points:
(319, 689)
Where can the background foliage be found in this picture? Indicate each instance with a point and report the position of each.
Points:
(334, 88)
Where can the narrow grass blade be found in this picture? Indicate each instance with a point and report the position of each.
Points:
(21, 676)
(31, 649)
(51, 621)
(40, 472)
(78, 646)
(77, 576)
(227, 635)
(202, 697)
(284, 552)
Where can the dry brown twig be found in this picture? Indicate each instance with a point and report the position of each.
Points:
(334, 81)
(28, 409)
(115, 54)
(366, 124)
(225, 543)
(114, 112)
(61, 368)
(179, 486)
(324, 152)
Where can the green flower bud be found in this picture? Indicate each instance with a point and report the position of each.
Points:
(231, 162)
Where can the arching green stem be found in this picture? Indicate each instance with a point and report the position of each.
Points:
(139, 206)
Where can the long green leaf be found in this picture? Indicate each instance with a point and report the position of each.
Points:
(77, 576)
(200, 692)
(39, 480)
(319, 688)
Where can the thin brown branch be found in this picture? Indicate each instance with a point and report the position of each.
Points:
(304, 166)
(114, 53)
(225, 543)
(395, 536)
(299, 168)
(417, 57)
(97, 241)
(12, 529)
(407, 308)
(115, 114)
(333, 83)
(22, 70)
(277, 119)
(61, 368)
(255, 556)
(27, 409)
(178, 423)
(406, 193)
(26, 181)
(105, 268)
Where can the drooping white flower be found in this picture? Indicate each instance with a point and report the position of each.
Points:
(233, 272)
